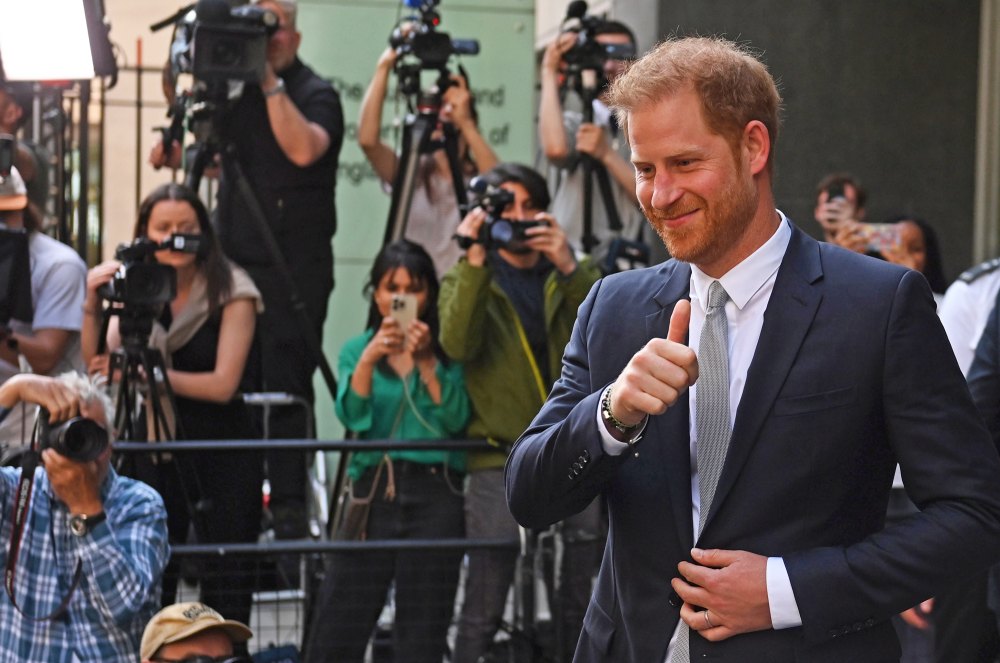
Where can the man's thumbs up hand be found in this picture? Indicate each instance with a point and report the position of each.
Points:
(658, 374)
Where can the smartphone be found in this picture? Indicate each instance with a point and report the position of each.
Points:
(835, 191)
(403, 309)
(881, 236)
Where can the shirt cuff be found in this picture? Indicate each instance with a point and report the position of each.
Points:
(780, 598)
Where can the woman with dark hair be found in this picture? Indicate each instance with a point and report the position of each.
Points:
(396, 383)
(205, 334)
(434, 213)
(919, 250)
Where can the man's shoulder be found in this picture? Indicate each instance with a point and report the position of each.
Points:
(46, 250)
(984, 271)
(303, 80)
(133, 495)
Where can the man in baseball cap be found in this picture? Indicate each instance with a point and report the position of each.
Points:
(192, 633)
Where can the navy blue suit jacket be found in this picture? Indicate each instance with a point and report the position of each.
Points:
(851, 374)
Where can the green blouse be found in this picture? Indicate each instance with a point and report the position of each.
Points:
(376, 416)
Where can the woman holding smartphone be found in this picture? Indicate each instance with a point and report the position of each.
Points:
(396, 383)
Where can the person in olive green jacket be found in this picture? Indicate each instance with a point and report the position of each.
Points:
(507, 310)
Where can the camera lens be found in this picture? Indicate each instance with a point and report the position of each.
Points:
(79, 439)
(501, 232)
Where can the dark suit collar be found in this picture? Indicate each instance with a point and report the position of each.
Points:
(789, 315)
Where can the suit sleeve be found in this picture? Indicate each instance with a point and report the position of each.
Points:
(559, 465)
(951, 471)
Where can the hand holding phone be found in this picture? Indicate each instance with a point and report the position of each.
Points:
(403, 309)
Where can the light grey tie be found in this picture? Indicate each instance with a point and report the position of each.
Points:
(711, 419)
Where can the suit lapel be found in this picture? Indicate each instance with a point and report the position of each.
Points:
(669, 431)
(789, 314)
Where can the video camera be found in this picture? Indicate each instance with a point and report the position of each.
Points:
(79, 439)
(587, 54)
(417, 35)
(218, 44)
(496, 232)
(141, 282)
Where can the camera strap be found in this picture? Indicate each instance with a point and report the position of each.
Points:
(22, 505)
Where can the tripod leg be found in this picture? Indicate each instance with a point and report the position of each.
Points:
(415, 134)
(457, 181)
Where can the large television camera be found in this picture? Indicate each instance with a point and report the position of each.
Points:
(588, 54)
(496, 232)
(140, 281)
(217, 44)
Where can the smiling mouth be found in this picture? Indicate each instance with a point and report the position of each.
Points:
(676, 219)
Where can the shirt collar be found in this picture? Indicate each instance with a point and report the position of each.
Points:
(744, 280)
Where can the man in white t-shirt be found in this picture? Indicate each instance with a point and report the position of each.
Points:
(48, 344)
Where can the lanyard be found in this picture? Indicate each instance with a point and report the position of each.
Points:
(22, 504)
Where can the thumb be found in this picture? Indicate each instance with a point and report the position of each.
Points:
(679, 321)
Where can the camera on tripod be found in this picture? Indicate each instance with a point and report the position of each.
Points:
(588, 54)
(141, 282)
(496, 232)
(79, 439)
(418, 36)
(218, 44)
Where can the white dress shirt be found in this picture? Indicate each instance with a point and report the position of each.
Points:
(749, 285)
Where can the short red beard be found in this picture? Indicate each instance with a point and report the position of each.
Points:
(705, 240)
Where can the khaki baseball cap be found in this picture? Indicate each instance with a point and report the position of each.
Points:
(13, 193)
(182, 620)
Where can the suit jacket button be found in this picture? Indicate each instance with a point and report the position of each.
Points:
(586, 454)
(577, 466)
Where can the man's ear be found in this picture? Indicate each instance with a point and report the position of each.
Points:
(756, 145)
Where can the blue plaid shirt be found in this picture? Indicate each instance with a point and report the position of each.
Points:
(123, 560)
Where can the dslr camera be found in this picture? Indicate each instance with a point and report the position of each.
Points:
(587, 54)
(140, 282)
(496, 232)
(79, 439)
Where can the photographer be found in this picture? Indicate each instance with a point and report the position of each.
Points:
(434, 207)
(564, 136)
(205, 335)
(506, 314)
(50, 343)
(82, 515)
(286, 133)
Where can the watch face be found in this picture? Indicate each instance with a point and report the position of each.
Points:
(78, 525)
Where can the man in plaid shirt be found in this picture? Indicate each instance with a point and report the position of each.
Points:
(80, 513)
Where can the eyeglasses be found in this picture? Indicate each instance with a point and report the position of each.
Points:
(199, 658)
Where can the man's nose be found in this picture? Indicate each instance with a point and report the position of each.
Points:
(665, 191)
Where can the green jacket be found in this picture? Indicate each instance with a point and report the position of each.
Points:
(480, 328)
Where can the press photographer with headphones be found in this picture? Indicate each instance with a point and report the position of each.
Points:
(205, 335)
(93, 544)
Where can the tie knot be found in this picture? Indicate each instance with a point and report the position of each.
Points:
(717, 295)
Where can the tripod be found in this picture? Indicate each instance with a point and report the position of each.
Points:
(587, 83)
(417, 139)
(136, 363)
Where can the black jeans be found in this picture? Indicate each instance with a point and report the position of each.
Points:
(428, 505)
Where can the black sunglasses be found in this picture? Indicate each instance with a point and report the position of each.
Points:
(199, 658)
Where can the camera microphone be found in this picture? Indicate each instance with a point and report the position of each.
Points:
(212, 11)
(576, 9)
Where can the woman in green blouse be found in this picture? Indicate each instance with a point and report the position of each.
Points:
(396, 383)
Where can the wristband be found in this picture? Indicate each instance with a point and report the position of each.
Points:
(611, 418)
(278, 88)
